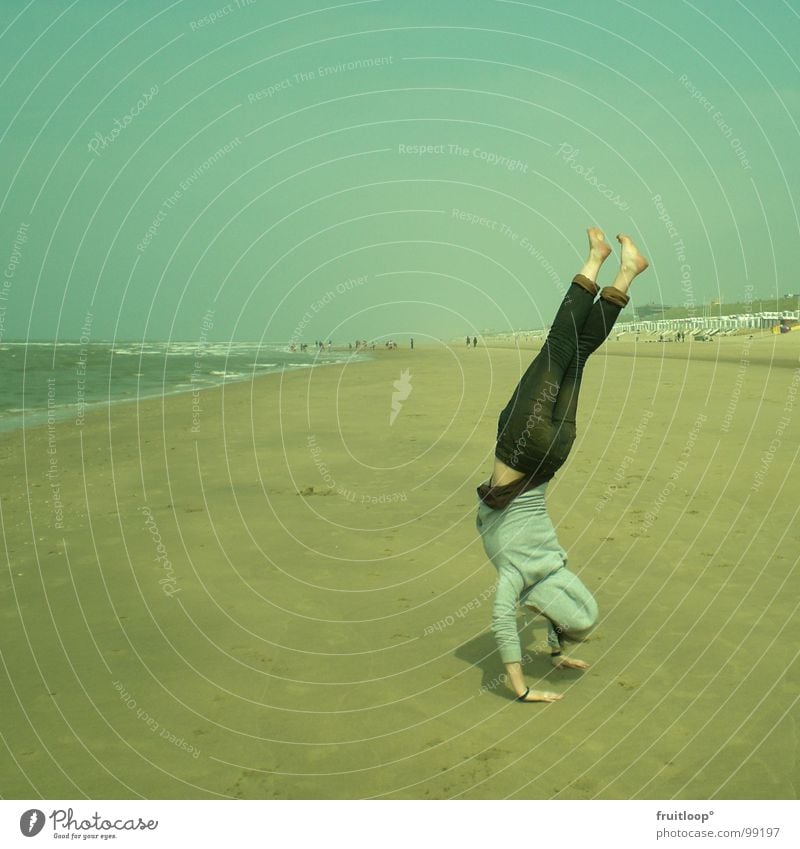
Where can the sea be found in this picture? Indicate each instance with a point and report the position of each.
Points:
(43, 381)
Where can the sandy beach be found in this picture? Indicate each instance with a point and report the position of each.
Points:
(279, 594)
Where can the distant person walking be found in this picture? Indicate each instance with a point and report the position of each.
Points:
(475, 342)
(535, 433)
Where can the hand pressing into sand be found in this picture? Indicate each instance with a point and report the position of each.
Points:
(540, 696)
(523, 692)
(561, 661)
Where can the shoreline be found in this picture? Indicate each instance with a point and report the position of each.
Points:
(65, 412)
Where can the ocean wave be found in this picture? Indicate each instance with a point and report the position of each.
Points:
(228, 374)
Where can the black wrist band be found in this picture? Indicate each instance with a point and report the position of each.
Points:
(555, 653)
(524, 695)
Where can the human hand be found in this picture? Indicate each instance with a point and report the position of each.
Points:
(561, 661)
(540, 696)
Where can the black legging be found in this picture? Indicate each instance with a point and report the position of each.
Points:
(536, 429)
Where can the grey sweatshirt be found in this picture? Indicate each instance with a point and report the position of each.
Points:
(521, 542)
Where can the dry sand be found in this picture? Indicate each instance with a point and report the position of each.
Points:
(336, 644)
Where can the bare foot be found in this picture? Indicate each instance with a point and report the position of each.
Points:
(540, 696)
(632, 261)
(599, 250)
(631, 264)
(598, 246)
(564, 662)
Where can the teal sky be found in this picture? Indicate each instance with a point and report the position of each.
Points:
(161, 162)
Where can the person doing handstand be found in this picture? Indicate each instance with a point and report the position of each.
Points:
(535, 433)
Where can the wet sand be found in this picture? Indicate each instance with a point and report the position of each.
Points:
(279, 594)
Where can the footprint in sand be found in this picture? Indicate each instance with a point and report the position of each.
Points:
(492, 753)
